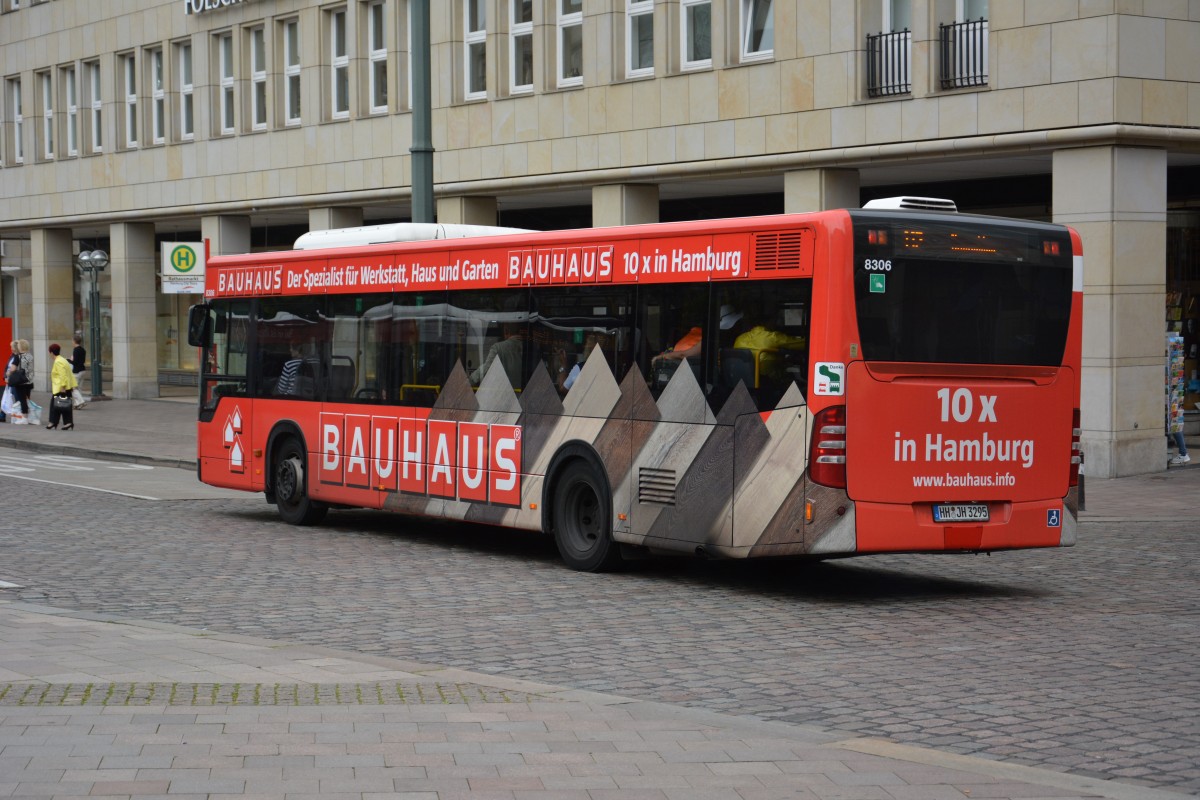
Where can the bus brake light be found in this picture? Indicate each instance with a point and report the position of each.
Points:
(827, 457)
(1050, 248)
(877, 236)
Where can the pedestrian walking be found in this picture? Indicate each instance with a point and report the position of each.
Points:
(62, 381)
(78, 365)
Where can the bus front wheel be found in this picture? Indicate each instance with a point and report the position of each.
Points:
(582, 515)
(290, 485)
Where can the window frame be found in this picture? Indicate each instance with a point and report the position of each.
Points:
(748, 9)
(129, 99)
(45, 81)
(95, 102)
(565, 22)
(256, 38)
(377, 57)
(70, 90)
(474, 43)
(292, 71)
(156, 69)
(686, 64)
(226, 83)
(635, 13)
(16, 102)
(519, 31)
(187, 91)
(339, 64)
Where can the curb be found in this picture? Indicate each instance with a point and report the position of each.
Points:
(84, 451)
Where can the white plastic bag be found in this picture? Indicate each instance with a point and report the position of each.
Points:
(35, 413)
(6, 402)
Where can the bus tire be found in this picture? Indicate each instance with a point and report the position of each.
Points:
(582, 517)
(289, 484)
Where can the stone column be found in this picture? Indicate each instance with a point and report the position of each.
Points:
(134, 310)
(820, 190)
(325, 219)
(467, 210)
(226, 235)
(624, 204)
(1116, 197)
(53, 299)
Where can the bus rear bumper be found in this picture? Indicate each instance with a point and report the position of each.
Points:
(894, 527)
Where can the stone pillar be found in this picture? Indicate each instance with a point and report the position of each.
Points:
(624, 204)
(325, 219)
(226, 235)
(467, 210)
(134, 310)
(820, 190)
(53, 299)
(1116, 197)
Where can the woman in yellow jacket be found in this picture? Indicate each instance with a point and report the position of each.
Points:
(62, 381)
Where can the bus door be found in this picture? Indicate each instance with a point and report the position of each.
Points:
(224, 447)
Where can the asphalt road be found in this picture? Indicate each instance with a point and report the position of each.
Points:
(1084, 660)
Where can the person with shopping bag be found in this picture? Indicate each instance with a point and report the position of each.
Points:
(62, 381)
(78, 365)
(19, 377)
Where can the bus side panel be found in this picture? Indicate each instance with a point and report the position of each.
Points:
(225, 446)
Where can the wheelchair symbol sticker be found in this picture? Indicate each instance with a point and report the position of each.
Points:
(1054, 518)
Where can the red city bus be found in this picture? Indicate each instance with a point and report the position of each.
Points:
(824, 384)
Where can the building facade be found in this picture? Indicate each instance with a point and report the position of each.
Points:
(126, 125)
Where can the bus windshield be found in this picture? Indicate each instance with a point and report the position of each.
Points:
(938, 292)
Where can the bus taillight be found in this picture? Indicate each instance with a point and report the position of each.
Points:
(1076, 448)
(827, 459)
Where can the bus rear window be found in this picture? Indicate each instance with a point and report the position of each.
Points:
(1005, 303)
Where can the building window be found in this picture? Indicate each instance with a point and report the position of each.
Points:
(964, 46)
(291, 72)
(258, 78)
(696, 29)
(46, 82)
(377, 58)
(95, 101)
(475, 46)
(758, 29)
(226, 86)
(639, 42)
(71, 100)
(569, 19)
(889, 54)
(129, 92)
(187, 94)
(339, 66)
(158, 98)
(520, 45)
(17, 116)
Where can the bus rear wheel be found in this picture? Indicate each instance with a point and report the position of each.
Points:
(289, 485)
(582, 516)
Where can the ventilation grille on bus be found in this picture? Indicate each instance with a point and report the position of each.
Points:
(914, 203)
(656, 486)
(778, 250)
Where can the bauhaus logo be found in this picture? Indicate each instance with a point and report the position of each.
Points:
(470, 461)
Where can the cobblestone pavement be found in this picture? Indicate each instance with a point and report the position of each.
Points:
(1084, 660)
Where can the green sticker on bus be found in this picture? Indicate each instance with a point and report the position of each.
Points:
(878, 283)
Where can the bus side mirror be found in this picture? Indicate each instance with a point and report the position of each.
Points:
(199, 325)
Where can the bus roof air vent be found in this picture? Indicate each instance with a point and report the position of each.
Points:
(395, 232)
(914, 204)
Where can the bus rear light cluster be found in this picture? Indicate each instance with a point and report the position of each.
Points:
(1076, 448)
(827, 457)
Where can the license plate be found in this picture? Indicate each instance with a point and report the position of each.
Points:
(960, 512)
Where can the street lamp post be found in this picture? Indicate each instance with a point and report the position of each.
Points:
(93, 262)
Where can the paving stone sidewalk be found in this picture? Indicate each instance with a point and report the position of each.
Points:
(118, 708)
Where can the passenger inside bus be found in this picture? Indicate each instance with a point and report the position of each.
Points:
(510, 350)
